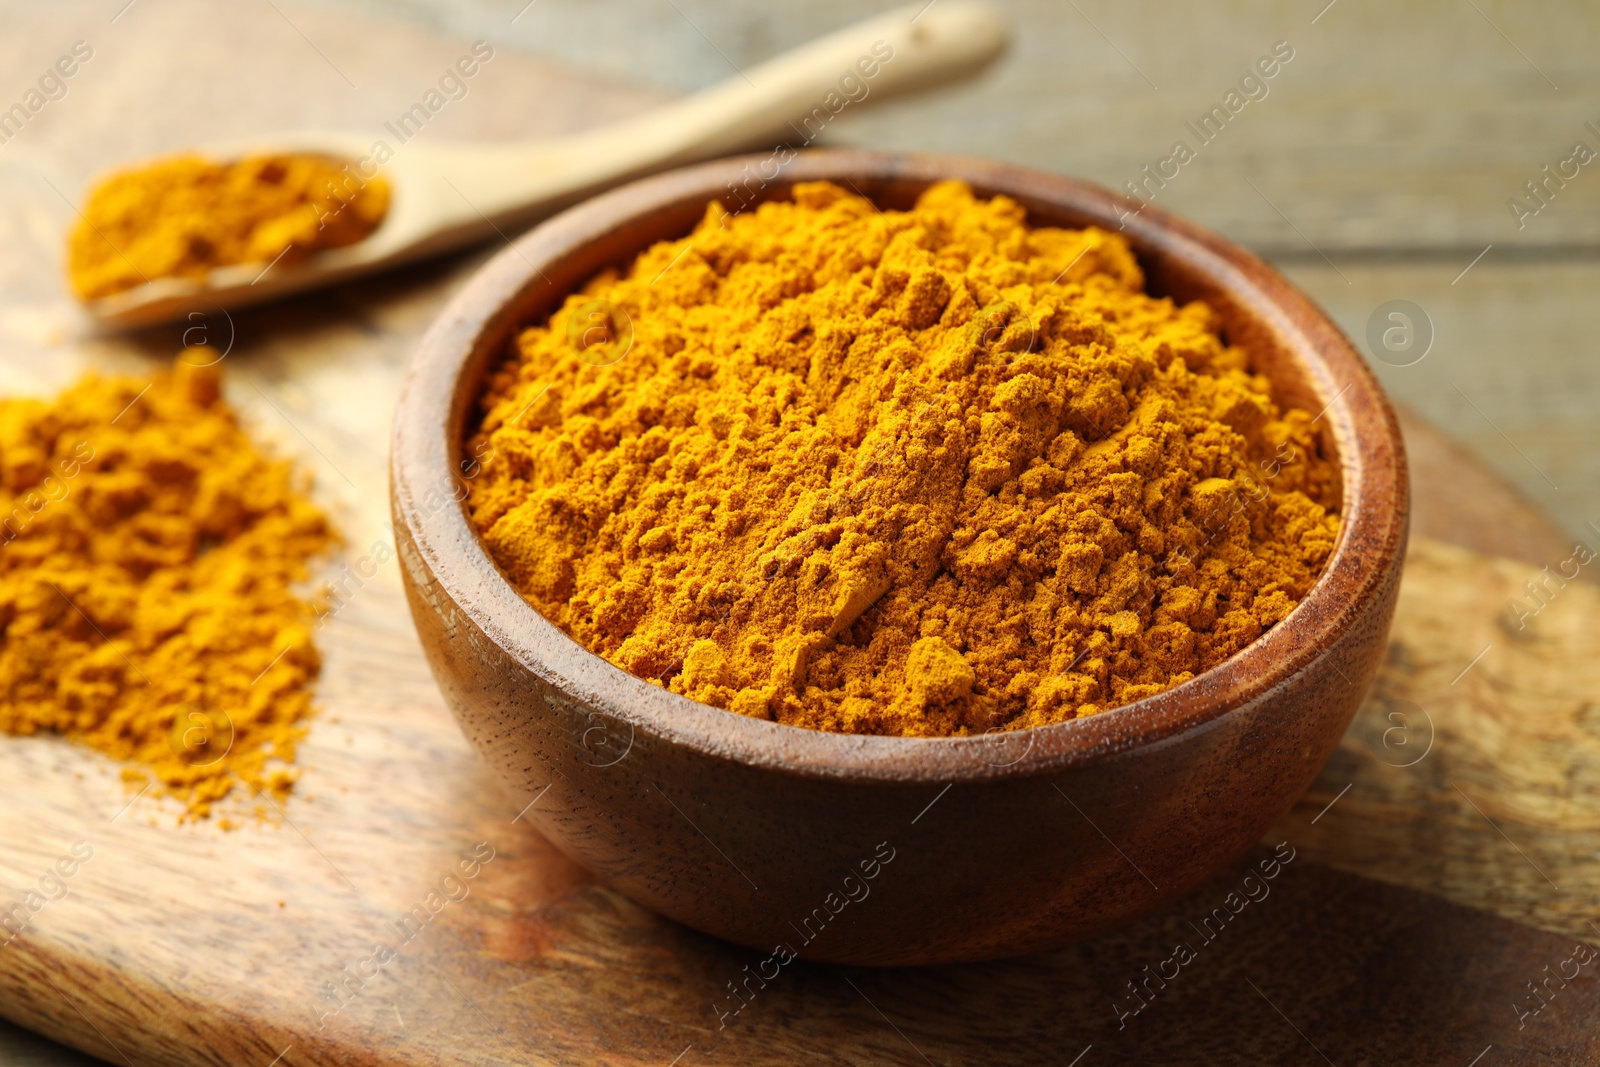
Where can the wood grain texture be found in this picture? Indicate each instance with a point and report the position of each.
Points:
(1458, 500)
(1397, 125)
(191, 945)
(1507, 820)
(1511, 378)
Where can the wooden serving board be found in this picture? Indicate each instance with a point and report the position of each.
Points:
(186, 944)
(1424, 893)
(190, 945)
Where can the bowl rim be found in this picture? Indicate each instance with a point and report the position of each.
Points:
(1362, 425)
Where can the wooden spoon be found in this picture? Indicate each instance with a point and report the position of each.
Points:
(446, 195)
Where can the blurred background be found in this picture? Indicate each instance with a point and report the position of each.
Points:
(1385, 163)
(1377, 168)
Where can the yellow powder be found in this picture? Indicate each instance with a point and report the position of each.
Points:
(185, 216)
(924, 473)
(147, 554)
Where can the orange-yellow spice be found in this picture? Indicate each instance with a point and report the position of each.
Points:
(184, 216)
(929, 472)
(148, 558)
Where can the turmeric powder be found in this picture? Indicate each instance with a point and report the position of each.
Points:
(185, 216)
(921, 473)
(147, 553)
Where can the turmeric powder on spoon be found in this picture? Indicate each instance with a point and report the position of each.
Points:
(923, 473)
(184, 216)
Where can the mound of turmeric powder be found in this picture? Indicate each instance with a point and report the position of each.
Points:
(928, 472)
(147, 554)
(184, 216)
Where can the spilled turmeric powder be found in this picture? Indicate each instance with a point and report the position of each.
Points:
(185, 216)
(147, 556)
(928, 472)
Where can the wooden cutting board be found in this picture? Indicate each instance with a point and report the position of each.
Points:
(190, 945)
(1467, 779)
(1444, 859)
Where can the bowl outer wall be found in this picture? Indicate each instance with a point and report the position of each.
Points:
(1046, 835)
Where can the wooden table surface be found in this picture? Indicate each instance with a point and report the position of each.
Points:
(1392, 158)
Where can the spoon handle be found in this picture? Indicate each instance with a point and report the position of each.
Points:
(791, 99)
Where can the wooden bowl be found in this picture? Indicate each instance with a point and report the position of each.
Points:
(891, 850)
